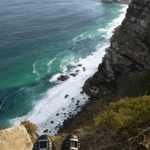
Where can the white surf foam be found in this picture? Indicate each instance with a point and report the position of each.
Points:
(80, 37)
(51, 61)
(98, 3)
(102, 30)
(111, 26)
(35, 71)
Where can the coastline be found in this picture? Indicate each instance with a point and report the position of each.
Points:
(120, 70)
(120, 76)
(94, 106)
(90, 70)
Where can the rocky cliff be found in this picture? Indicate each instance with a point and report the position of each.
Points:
(129, 51)
(117, 1)
(15, 138)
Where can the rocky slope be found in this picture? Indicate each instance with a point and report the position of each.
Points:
(129, 51)
(117, 1)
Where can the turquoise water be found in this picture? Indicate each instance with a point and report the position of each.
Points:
(42, 39)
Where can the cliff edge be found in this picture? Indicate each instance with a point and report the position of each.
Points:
(15, 138)
(129, 51)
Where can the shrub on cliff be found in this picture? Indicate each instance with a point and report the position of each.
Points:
(31, 129)
(1, 127)
(125, 112)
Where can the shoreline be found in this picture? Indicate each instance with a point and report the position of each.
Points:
(108, 35)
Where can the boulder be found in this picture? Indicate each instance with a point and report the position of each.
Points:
(81, 92)
(57, 114)
(15, 138)
(66, 96)
(73, 74)
(80, 65)
(52, 122)
(63, 77)
(45, 130)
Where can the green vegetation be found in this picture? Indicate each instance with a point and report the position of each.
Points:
(31, 129)
(125, 111)
(126, 119)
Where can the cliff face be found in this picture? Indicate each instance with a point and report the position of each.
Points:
(15, 138)
(117, 1)
(129, 51)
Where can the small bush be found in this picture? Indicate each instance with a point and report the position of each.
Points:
(125, 111)
(1, 127)
(31, 129)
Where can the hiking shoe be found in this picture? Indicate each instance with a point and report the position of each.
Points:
(70, 143)
(43, 143)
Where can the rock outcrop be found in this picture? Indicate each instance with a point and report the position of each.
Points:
(15, 138)
(129, 51)
(117, 1)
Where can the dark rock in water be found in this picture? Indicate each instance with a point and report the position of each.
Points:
(78, 101)
(45, 130)
(84, 98)
(70, 113)
(72, 98)
(57, 114)
(76, 104)
(64, 113)
(63, 108)
(80, 65)
(36, 134)
(84, 69)
(50, 131)
(63, 77)
(73, 74)
(82, 92)
(66, 96)
(52, 122)
(77, 70)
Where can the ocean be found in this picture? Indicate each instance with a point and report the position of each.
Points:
(41, 40)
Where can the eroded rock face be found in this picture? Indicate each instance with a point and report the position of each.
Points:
(129, 50)
(15, 138)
